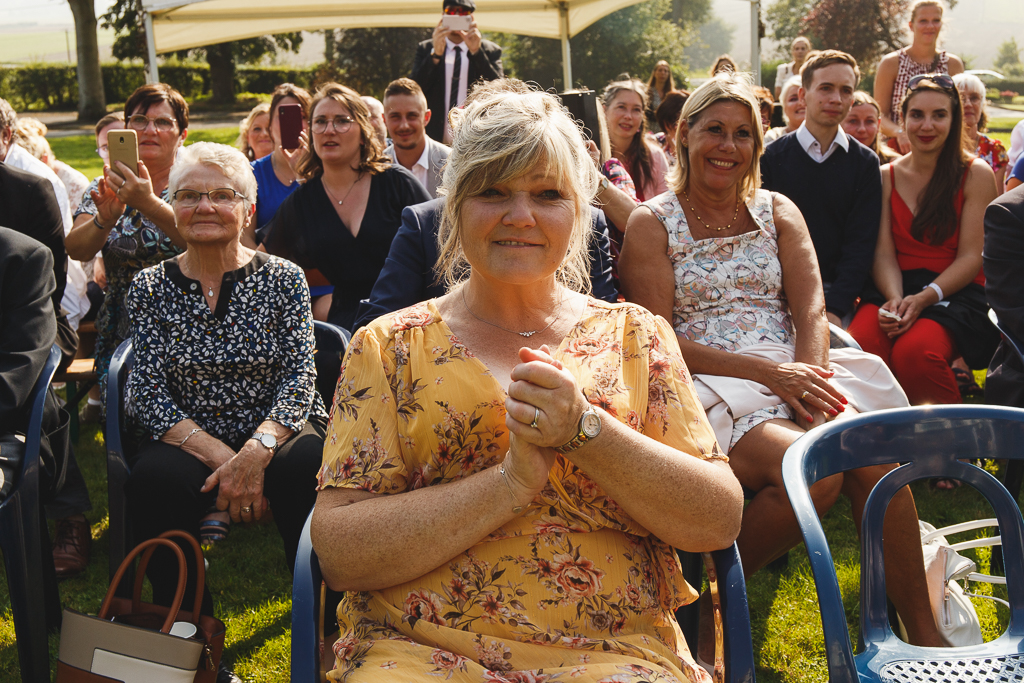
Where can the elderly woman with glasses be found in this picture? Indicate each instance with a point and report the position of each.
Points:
(343, 219)
(127, 217)
(223, 379)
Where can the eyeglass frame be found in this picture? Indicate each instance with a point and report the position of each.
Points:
(346, 121)
(235, 196)
(454, 11)
(149, 120)
(944, 81)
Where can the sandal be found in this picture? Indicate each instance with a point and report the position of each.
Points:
(944, 484)
(213, 530)
(966, 383)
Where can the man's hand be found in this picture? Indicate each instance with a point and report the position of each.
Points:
(440, 38)
(472, 37)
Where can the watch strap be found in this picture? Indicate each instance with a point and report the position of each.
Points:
(580, 438)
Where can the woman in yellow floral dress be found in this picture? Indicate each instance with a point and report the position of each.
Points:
(509, 467)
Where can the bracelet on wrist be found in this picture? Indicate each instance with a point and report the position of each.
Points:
(96, 222)
(190, 435)
(516, 507)
(938, 290)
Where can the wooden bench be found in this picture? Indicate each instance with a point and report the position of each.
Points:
(79, 378)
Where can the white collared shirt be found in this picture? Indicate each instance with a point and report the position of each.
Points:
(421, 168)
(813, 147)
(449, 68)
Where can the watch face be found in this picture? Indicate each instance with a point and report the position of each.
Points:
(591, 424)
(268, 440)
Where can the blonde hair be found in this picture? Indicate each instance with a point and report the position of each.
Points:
(791, 82)
(724, 86)
(229, 160)
(36, 145)
(242, 143)
(502, 136)
(925, 3)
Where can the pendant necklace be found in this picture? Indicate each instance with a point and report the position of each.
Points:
(209, 288)
(690, 204)
(558, 312)
(342, 200)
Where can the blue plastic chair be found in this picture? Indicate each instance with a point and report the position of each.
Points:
(331, 342)
(930, 440)
(32, 585)
(306, 656)
(1014, 470)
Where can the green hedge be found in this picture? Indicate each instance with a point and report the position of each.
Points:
(55, 86)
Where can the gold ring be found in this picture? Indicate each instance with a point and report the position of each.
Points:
(536, 416)
(247, 509)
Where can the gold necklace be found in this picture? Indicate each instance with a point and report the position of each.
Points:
(342, 200)
(737, 213)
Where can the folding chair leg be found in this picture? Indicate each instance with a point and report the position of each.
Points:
(22, 547)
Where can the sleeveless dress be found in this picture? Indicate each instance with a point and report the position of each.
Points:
(729, 289)
(906, 70)
(572, 589)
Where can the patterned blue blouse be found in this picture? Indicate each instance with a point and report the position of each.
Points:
(249, 360)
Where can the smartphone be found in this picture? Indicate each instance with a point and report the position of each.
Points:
(456, 22)
(290, 118)
(890, 314)
(124, 147)
(582, 104)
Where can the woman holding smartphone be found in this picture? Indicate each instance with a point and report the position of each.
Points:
(929, 307)
(342, 219)
(127, 216)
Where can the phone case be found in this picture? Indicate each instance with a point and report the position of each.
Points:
(124, 147)
(455, 22)
(290, 116)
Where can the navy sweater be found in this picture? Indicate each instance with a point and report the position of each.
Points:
(841, 200)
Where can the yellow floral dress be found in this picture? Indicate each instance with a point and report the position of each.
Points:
(571, 590)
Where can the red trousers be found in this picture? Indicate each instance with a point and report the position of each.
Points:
(919, 357)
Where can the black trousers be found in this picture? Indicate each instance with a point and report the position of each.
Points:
(163, 493)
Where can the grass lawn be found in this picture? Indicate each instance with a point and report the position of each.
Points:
(79, 151)
(252, 589)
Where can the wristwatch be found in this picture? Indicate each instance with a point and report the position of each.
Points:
(590, 427)
(603, 185)
(268, 440)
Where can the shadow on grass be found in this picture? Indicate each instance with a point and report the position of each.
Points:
(248, 647)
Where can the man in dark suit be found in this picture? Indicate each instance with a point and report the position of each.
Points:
(28, 205)
(1004, 287)
(408, 275)
(448, 64)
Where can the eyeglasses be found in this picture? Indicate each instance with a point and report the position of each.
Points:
(162, 124)
(457, 11)
(941, 80)
(341, 124)
(222, 196)
(103, 151)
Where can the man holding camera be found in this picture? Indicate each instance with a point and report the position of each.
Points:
(454, 58)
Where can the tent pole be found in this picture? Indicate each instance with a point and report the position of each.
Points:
(153, 76)
(563, 25)
(755, 40)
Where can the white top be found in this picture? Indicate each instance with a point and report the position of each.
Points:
(784, 73)
(449, 68)
(1016, 143)
(813, 148)
(422, 166)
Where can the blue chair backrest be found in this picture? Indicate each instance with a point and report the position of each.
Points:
(27, 476)
(118, 454)
(931, 441)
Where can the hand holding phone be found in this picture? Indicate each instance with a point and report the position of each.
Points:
(457, 22)
(124, 147)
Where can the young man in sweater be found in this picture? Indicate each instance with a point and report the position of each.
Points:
(832, 178)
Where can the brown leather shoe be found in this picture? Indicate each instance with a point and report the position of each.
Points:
(71, 546)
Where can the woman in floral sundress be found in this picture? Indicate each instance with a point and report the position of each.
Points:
(503, 507)
(734, 268)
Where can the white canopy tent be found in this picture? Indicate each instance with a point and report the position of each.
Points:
(183, 24)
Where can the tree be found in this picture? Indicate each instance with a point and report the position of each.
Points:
(126, 17)
(632, 39)
(866, 29)
(714, 37)
(92, 102)
(371, 58)
(1008, 59)
(785, 18)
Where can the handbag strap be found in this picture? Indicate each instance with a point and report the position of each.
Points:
(148, 547)
(200, 568)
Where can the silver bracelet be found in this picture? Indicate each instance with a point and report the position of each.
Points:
(190, 435)
(97, 223)
(516, 507)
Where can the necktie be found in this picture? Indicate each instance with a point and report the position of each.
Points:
(453, 100)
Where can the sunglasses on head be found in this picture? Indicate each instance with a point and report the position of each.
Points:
(457, 11)
(942, 80)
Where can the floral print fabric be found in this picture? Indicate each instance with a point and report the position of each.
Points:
(992, 152)
(729, 289)
(134, 243)
(248, 361)
(573, 588)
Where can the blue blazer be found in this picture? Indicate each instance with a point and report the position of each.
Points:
(408, 275)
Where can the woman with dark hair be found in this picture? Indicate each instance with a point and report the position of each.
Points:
(624, 105)
(862, 124)
(929, 251)
(128, 216)
(659, 85)
(277, 174)
(667, 115)
(342, 219)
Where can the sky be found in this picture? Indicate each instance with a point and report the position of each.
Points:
(42, 12)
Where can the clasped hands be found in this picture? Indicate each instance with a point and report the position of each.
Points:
(908, 308)
(240, 478)
(544, 393)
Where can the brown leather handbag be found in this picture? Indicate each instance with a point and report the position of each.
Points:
(130, 640)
